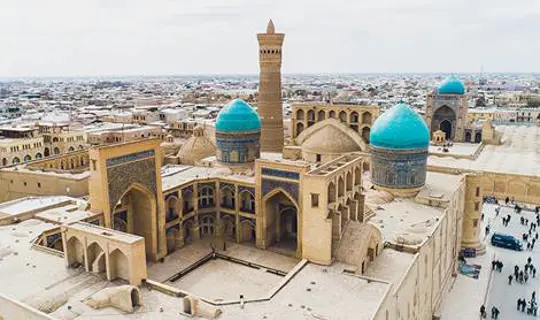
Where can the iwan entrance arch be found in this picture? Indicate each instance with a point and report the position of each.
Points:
(130, 174)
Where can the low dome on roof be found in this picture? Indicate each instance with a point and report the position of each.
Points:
(400, 128)
(330, 139)
(238, 116)
(196, 148)
(452, 85)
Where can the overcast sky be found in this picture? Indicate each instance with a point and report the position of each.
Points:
(159, 37)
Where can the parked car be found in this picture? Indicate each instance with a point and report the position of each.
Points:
(506, 241)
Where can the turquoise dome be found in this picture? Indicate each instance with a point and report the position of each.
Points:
(238, 116)
(451, 85)
(400, 128)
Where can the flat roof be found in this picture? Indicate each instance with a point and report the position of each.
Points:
(390, 265)
(333, 295)
(519, 153)
(175, 176)
(110, 233)
(23, 205)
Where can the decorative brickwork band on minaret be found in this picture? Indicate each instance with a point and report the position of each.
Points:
(269, 99)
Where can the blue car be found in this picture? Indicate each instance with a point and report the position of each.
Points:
(506, 241)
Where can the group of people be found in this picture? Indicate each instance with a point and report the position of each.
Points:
(497, 265)
(531, 305)
(494, 312)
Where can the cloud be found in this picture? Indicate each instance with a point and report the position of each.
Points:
(94, 37)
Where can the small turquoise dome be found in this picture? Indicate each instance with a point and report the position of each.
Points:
(238, 116)
(451, 85)
(400, 128)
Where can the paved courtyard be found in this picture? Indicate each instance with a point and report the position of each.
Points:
(224, 280)
(467, 294)
(502, 295)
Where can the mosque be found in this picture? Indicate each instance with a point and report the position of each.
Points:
(350, 199)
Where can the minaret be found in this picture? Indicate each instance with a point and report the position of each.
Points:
(269, 99)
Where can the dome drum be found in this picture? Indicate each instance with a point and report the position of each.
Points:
(234, 148)
(398, 169)
(399, 149)
(238, 133)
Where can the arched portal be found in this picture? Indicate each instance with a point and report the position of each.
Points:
(230, 227)
(468, 136)
(119, 267)
(247, 232)
(142, 215)
(172, 235)
(173, 207)
(47, 152)
(56, 150)
(299, 128)
(321, 115)
(284, 223)
(75, 252)
(188, 231)
(444, 119)
(478, 137)
(96, 258)
(207, 226)
(446, 126)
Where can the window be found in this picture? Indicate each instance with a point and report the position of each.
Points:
(94, 165)
(318, 158)
(475, 223)
(39, 185)
(314, 200)
(477, 191)
(476, 206)
(24, 183)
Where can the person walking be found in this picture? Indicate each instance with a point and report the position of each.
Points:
(497, 312)
(510, 279)
(506, 200)
(483, 312)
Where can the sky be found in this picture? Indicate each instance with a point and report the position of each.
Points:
(168, 37)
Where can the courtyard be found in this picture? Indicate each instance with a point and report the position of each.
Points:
(222, 280)
(492, 288)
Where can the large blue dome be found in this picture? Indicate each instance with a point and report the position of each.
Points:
(238, 116)
(451, 85)
(400, 128)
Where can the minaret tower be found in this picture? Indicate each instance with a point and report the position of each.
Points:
(269, 99)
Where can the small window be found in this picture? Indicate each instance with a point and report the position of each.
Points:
(476, 206)
(477, 191)
(24, 183)
(11, 181)
(314, 200)
(475, 223)
(39, 185)
(94, 165)
(318, 158)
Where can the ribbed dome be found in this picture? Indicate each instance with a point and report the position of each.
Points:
(195, 149)
(330, 140)
(451, 85)
(400, 128)
(238, 116)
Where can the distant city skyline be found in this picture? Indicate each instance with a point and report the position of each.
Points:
(63, 38)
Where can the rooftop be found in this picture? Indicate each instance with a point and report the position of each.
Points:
(518, 154)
